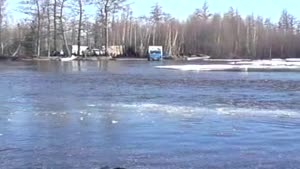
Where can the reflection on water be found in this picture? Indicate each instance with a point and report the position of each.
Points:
(129, 114)
(74, 66)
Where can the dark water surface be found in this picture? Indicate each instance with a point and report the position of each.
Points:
(129, 114)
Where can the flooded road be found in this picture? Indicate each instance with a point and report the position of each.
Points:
(129, 114)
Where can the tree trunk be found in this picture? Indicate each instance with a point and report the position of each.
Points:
(154, 34)
(106, 27)
(62, 28)
(39, 29)
(135, 42)
(174, 43)
(248, 40)
(124, 33)
(130, 31)
(55, 25)
(1, 26)
(219, 38)
(73, 36)
(79, 27)
(170, 41)
(48, 32)
(254, 41)
(17, 51)
(270, 52)
(237, 43)
(113, 29)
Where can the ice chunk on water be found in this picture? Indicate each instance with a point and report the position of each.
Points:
(198, 67)
(190, 111)
(242, 66)
(114, 122)
(232, 111)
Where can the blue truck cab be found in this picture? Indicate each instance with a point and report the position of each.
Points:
(155, 53)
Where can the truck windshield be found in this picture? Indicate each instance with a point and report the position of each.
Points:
(155, 52)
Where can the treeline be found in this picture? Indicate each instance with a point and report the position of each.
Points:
(50, 25)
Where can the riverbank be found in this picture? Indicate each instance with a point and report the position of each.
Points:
(56, 58)
(194, 59)
(45, 58)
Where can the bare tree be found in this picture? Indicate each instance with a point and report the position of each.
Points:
(61, 18)
(156, 17)
(108, 7)
(55, 4)
(48, 5)
(33, 8)
(227, 35)
(80, 4)
(203, 12)
(2, 13)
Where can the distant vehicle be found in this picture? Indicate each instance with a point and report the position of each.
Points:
(155, 53)
(96, 52)
(56, 53)
(74, 50)
(93, 52)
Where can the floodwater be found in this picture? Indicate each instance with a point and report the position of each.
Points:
(130, 114)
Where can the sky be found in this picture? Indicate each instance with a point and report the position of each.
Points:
(181, 9)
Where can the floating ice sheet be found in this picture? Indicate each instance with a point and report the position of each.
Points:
(272, 63)
(195, 110)
(231, 67)
(241, 65)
